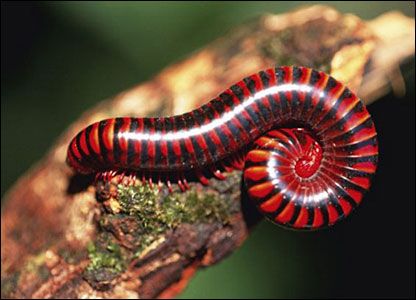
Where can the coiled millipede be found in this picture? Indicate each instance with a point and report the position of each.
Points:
(306, 143)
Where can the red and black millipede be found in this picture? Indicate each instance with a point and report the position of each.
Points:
(306, 143)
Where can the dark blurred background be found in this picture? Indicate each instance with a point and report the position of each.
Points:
(59, 59)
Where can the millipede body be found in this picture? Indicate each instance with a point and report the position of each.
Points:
(306, 143)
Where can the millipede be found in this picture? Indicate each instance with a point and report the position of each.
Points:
(306, 144)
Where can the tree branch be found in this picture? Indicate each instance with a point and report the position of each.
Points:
(63, 237)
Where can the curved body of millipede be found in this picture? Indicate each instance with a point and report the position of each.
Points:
(307, 144)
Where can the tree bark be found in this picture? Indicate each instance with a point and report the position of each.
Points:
(63, 236)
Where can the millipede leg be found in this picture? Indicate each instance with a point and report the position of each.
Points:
(107, 176)
(159, 184)
(181, 186)
(202, 178)
(111, 174)
(169, 186)
(185, 182)
(132, 179)
(121, 177)
(218, 175)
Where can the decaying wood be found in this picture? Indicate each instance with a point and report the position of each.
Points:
(51, 218)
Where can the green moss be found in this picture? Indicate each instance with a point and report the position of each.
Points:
(155, 215)
(106, 262)
(108, 257)
(194, 208)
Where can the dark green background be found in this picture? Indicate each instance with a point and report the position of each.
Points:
(59, 59)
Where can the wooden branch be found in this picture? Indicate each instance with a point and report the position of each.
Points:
(63, 237)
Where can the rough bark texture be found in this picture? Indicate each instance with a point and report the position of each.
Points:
(63, 237)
